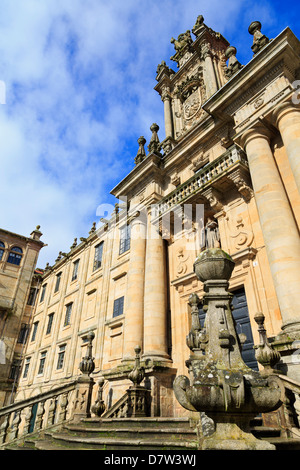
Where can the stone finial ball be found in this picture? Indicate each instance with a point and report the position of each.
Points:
(230, 51)
(213, 264)
(254, 26)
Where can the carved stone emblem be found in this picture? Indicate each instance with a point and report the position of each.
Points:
(192, 104)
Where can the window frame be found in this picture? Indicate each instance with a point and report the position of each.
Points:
(75, 270)
(34, 331)
(118, 308)
(57, 282)
(15, 256)
(50, 323)
(42, 363)
(26, 368)
(125, 240)
(43, 293)
(69, 308)
(98, 259)
(61, 357)
(2, 250)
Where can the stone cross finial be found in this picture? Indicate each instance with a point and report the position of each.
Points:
(141, 152)
(259, 39)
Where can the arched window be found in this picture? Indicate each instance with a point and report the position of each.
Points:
(2, 247)
(15, 256)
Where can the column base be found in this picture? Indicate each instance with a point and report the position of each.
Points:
(154, 357)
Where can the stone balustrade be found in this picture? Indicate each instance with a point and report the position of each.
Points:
(37, 413)
(216, 169)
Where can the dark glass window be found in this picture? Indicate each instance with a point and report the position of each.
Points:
(57, 284)
(1, 250)
(32, 296)
(61, 356)
(75, 270)
(15, 369)
(50, 323)
(15, 256)
(68, 314)
(98, 256)
(118, 307)
(124, 239)
(26, 368)
(23, 335)
(34, 331)
(43, 293)
(42, 363)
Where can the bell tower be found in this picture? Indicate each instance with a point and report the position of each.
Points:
(201, 65)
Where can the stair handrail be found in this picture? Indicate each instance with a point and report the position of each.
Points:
(15, 425)
(291, 406)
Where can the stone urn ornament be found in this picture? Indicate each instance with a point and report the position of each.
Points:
(221, 385)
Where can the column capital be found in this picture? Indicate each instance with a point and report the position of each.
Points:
(257, 131)
(282, 109)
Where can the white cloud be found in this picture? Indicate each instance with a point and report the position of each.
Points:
(80, 78)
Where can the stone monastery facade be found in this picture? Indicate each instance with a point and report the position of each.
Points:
(226, 175)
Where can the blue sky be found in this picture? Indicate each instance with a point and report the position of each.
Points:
(79, 81)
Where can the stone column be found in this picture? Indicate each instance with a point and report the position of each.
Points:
(133, 330)
(287, 117)
(167, 112)
(211, 80)
(281, 235)
(155, 307)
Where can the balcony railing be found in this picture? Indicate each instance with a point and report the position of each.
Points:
(206, 176)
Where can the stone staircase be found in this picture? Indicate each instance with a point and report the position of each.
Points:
(117, 434)
(150, 434)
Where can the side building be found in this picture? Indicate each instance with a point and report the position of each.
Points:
(19, 280)
(231, 148)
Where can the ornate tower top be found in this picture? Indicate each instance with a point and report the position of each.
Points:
(202, 65)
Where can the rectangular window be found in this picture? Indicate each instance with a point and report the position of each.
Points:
(68, 314)
(26, 368)
(43, 293)
(32, 296)
(1, 254)
(50, 323)
(124, 239)
(15, 369)
(42, 363)
(23, 335)
(118, 307)
(34, 331)
(61, 357)
(98, 256)
(75, 270)
(57, 284)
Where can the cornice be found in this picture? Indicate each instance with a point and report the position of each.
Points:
(277, 55)
(145, 170)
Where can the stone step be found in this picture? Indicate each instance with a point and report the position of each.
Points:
(61, 441)
(156, 422)
(284, 443)
(265, 431)
(133, 431)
